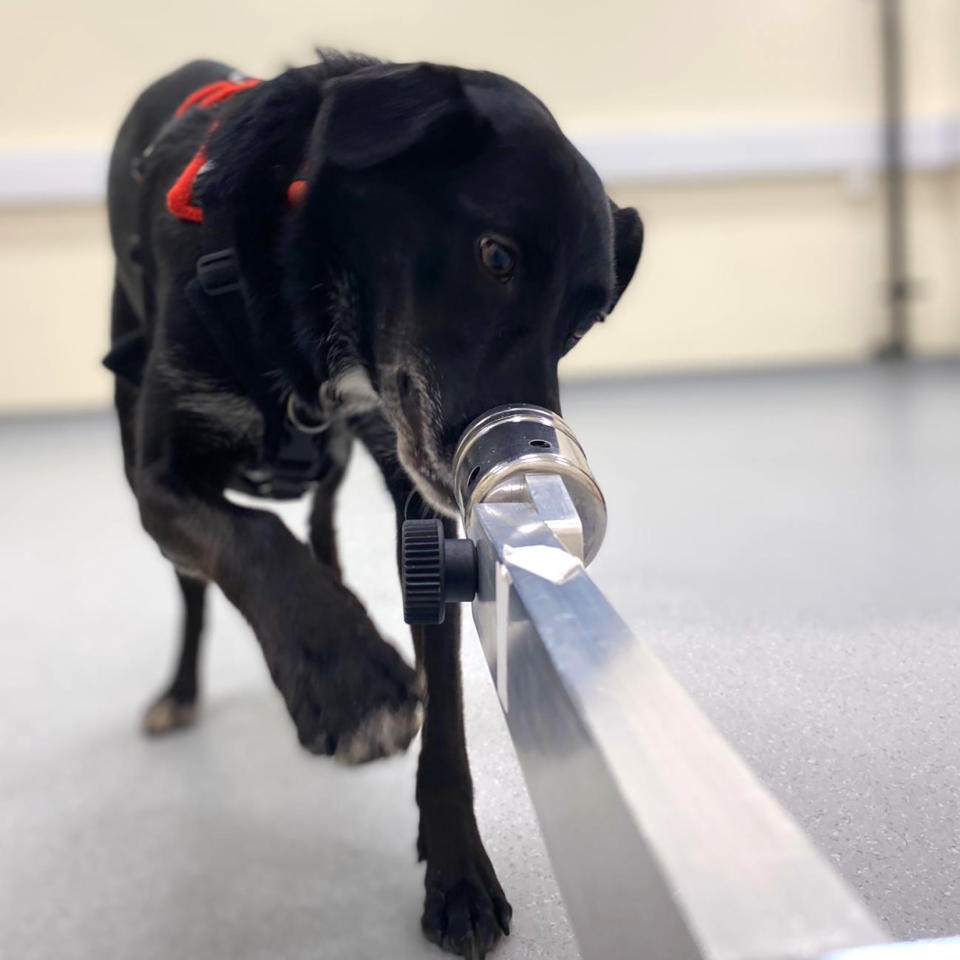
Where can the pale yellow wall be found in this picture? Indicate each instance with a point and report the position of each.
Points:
(777, 273)
(68, 69)
(932, 54)
(734, 273)
(55, 292)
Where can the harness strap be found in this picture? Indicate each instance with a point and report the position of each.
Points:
(128, 356)
(180, 196)
(291, 455)
(293, 452)
(180, 200)
(215, 92)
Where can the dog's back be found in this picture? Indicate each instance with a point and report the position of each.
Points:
(141, 128)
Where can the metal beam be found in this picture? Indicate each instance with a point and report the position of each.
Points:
(664, 844)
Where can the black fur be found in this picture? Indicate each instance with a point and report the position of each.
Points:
(375, 276)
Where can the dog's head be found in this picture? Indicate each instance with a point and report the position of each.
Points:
(481, 243)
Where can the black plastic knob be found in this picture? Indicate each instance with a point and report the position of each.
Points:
(434, 571)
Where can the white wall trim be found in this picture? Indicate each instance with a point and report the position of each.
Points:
(77, 174)
(724, 153)
(53, 176)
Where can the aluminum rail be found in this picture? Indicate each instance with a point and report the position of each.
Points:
(664, 844)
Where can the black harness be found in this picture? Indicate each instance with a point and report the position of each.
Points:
(293, 451)
(297, 436)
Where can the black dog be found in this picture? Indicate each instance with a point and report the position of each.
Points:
(352, 249)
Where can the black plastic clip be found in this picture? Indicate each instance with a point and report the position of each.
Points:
(218, 272)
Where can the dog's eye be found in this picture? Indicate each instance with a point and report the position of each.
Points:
(497, 257)
(581, 329)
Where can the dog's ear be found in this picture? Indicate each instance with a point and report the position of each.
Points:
(256, 154)
(627, 246)
(383, 113)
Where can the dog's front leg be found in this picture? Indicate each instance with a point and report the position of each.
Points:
(465, 909)
(348, 691)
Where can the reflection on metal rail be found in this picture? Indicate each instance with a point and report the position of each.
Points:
(665, 846)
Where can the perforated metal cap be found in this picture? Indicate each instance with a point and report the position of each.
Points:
(506, 443)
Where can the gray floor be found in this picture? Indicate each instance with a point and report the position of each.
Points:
(789, 544)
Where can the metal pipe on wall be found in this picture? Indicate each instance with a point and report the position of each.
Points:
(896, 343)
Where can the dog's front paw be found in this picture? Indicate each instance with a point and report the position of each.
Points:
(386, 730)
(357, 706)
(465, 910)
(167, 714)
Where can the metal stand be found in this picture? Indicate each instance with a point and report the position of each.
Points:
(896, 344)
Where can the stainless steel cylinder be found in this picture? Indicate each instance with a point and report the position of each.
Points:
(503, 445)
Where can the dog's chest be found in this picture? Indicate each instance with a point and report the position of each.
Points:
(278, 453)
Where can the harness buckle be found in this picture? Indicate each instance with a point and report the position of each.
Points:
(218, 272)
(299, 417)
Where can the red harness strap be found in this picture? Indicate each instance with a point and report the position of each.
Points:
(180, 195)
(213, 93)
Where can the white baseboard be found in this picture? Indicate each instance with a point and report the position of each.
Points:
(74, 175)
